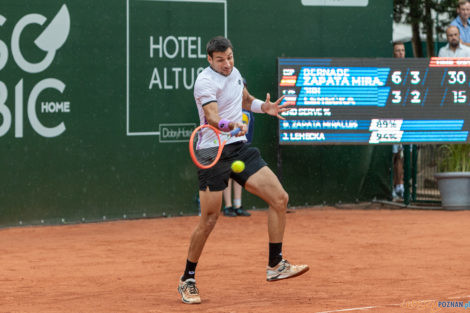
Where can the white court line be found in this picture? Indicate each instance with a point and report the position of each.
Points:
(360, 309)
(353, 309)
(458, 297)
(386, 305)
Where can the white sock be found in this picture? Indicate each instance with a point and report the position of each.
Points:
(237, 203)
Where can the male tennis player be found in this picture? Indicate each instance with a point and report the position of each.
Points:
(220, 96)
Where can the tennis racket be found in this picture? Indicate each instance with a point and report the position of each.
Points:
(206, 144)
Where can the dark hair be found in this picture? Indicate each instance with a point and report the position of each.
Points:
(462, 2)
(396, 43)
(218, 44)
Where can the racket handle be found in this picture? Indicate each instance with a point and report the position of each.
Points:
(235, 131)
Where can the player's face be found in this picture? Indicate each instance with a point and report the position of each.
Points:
(453, 36)
(222, 62)
(399, 51)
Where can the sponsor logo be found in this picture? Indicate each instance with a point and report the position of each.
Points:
(177, 132)
(51, 39)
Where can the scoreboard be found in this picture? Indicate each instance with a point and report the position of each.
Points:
(374, 101)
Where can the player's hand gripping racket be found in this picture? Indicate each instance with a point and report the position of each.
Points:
(206, 145)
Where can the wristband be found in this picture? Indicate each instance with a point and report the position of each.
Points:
(224, 125)
(256, 106)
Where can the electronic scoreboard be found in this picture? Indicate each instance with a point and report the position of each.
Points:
(375, 101)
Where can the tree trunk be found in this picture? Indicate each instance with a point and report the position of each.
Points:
(415, 19)
(429, 26)
(416, 40)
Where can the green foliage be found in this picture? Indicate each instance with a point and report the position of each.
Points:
(409, 11)
(445, 6)
(454, 158)
(426, 17)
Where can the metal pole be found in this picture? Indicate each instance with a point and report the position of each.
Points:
(279, 162)
(406, 176)
(414, 171)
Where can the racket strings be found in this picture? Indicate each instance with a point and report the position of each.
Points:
(205, 156)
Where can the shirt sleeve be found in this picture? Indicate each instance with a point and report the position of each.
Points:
(205, 92)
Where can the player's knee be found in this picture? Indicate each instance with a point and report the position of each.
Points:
(285, 199)
(209, 221)
(280, 202)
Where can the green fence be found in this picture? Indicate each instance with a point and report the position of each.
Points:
(96, 101)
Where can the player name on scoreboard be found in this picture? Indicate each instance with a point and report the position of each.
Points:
(375, 101)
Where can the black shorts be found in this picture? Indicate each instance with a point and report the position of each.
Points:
(216, 177)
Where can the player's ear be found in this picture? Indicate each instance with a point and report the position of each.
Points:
(209, 59)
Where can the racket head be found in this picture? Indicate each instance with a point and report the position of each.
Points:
(205, 157)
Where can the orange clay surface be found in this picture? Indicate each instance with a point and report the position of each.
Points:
(363, 260)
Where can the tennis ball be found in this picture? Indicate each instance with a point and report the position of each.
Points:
(238, 166)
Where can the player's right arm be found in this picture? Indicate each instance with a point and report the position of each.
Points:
(205, 94)
(211, 113)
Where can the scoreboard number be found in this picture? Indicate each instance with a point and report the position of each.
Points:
(415, 77)
(459, 96)
(415, 97)
(396, 96)
(385, 137)
(457, 77)
(379, 124)
(396, 77)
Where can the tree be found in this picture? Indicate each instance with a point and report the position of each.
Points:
(425, 17)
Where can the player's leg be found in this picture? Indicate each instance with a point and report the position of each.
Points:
(258, 179)
(212, 183)
(237, 200)
(265, 184)
(210, 211)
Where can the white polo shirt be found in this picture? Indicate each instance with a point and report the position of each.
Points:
(461, 52)
(227, 91)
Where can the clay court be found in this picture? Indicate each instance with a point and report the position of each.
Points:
(372, 260)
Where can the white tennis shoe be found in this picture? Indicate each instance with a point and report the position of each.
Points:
(285, 270)
(188, 291)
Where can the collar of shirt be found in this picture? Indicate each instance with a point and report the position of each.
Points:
(458, 20)
(459, 47)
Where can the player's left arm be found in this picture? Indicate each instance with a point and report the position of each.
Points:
(258, 106)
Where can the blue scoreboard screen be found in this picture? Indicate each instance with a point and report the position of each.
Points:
(375, 101)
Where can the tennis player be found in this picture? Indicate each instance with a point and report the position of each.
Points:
(220, 96)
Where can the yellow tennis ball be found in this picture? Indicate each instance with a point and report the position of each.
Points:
(238, 166)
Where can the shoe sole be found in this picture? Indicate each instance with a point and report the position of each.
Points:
(305, 270)
(187, 302)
